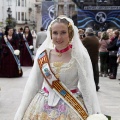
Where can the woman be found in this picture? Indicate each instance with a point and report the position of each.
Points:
(104, 54)
(26, 48)
(81, 34)
(113, 48)
(10, 63)
(71, 66)
(34, 40)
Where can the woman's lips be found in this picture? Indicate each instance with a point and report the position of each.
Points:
(59, 42)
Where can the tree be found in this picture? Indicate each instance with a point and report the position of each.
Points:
(11, 22)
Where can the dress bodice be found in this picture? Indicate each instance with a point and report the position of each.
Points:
(67, 73)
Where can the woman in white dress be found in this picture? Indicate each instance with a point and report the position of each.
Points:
(71, 64)
(34, 40)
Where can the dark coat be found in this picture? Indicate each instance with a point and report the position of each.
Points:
(91, 43)
(113, 45)
(25, 58)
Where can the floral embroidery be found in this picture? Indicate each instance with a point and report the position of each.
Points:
(62, 108)
(42, 111)
(53, 114)
(46, 106)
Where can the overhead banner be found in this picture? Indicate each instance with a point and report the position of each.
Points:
(47, 13)
(99, 16)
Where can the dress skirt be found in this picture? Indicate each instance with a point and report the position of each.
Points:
(40, 110)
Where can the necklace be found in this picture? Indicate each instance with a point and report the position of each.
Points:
(63, 50)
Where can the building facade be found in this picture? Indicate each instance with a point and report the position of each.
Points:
(22, 10)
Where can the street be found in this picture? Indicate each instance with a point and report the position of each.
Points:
(12, 90)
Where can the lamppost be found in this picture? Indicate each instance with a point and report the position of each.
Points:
(9, 12)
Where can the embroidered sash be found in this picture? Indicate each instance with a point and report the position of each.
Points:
(29, 50)
(58, 87)
(12, 51)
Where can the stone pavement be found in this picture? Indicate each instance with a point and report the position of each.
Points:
(12, 90)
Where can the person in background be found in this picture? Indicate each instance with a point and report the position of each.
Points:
(34, 40)
(104, 54)
(68, 64)
(26, 48)
(20, 33)
(1, 36)
(91, 43)
(99, 35)
(81, 33)
(41, 36)
(113, 48)
(10, 63)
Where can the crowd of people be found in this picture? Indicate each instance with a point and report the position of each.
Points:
(107, 51)
(17, 48)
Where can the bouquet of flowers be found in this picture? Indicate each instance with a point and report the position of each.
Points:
(16, 52)
(97, 117)
(31, 47)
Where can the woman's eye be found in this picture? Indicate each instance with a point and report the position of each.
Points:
(55, 33)
(63, 32)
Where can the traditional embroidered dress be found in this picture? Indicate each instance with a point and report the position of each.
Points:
(25, 57)
(39, 108)
(78, 73)
(9, 67)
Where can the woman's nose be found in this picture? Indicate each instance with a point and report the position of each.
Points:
(59, 36)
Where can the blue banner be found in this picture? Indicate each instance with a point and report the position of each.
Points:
(47, 13)
(99, 17)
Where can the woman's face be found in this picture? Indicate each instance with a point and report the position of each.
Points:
(10, 32)
(111, 35)
(60, 35)
(26, 30)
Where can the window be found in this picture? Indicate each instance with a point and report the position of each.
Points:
(18, 2)
(25, 15)
(22, 16)
(23, 3)
(18, 15)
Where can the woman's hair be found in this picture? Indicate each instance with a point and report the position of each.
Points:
(7, 29)
(70, 28)
(116, 32)
(105, 36)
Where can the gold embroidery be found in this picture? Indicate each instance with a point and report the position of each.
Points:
(58, 68)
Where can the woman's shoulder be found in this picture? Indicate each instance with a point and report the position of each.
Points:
(45, 50)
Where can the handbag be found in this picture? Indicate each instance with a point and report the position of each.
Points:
(113, 53)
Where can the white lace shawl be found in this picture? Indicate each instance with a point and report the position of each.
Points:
(86, 84)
